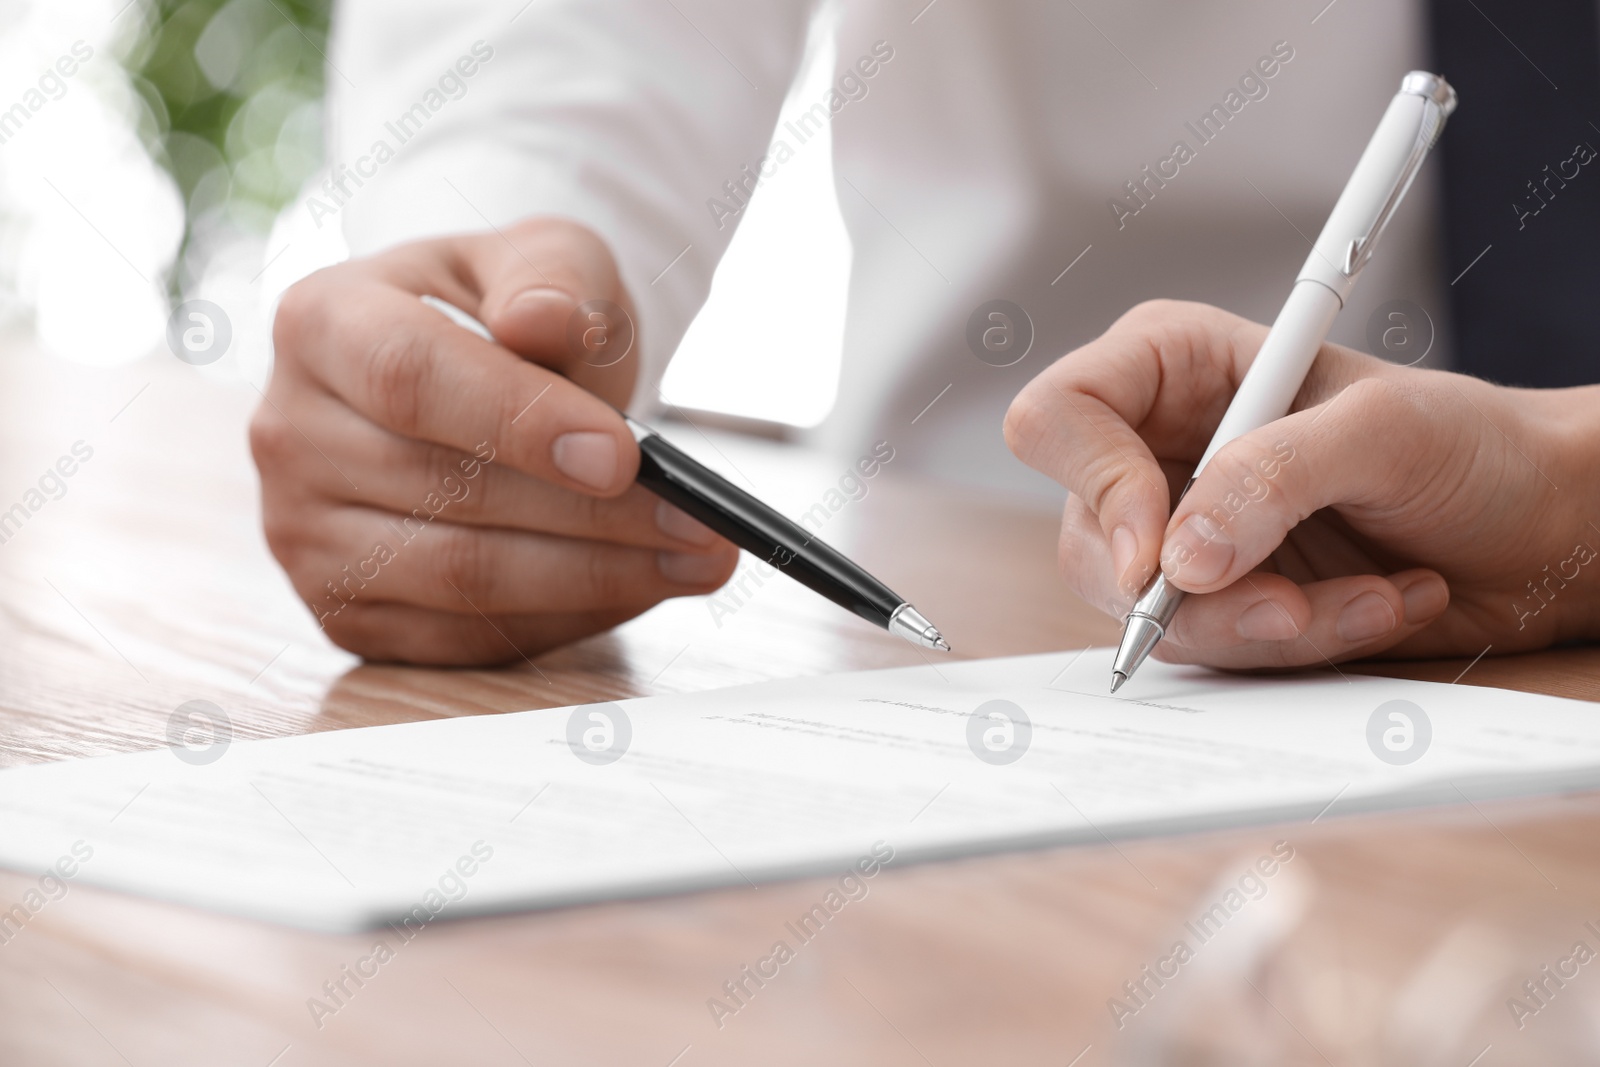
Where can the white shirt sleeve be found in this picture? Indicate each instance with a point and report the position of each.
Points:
(450, 116)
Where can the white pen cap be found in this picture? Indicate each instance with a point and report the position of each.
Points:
(1409, 128)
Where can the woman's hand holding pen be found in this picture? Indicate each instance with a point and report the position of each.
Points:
(439, 498)
(1395, 512)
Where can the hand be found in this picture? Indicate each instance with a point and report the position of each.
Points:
(437, 498)
(1396, 512)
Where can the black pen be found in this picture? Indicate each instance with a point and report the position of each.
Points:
(701, 492)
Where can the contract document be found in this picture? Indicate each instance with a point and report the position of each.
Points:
(742, 786)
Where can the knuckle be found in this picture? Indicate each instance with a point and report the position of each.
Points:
(1041, 414)
(1398, 419)
(536, 227)
(1159, 309)
(441, 467)
(301, 314)
(552, 232)
(1163, 313)
(462, 560)
(274, 442)
(589, 513)
(1025, 421)
(1180, 330)
(605, 581)
(1236, 463)
(398, 369)
(1375, 402)
(286, 539)
(483, 497)
(1106, 478)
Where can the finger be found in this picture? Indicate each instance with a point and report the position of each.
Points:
(405, 634)
(1369, 449)
(523, 281)
(533, 279)
(1267, 621)
(1156, 383)
(417, 482)
(1084, 554)
(1082, 442)
(364, 556)
(1084, 558)
(409, 369)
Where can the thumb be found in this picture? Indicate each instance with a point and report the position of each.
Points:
(550, 292)
(1366, 448)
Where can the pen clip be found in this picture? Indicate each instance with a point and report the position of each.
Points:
(1438, 101)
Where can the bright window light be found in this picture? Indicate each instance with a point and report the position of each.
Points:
(767, 343)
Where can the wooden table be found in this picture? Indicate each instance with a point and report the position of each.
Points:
(1388, 939)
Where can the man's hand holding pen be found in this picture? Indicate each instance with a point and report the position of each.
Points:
(376, 398)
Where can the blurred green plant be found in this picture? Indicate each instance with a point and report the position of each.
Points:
(234, 92)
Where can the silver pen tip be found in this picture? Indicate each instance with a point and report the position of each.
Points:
(908, 623)
(1139, 638)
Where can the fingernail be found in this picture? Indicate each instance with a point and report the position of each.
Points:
(1266, 621)
(1124, 547)
(542, 300)
(1425, 598)
(587, 457)
(675, 523)
(1199, 552)
(690, 568)
(1366, 617)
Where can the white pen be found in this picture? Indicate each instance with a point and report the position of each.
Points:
(1409, 128)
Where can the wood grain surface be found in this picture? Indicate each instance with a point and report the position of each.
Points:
(1386, 939)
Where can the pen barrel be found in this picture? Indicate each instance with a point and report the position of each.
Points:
(762, 532)
(1275, 377)
(1380, 180)
(1388, 165)
(1159, 602)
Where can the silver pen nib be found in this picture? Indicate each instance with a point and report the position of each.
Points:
(1146, 625)
(1139, 637)
(909, 624)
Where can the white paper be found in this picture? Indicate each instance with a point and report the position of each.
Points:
(469, 815)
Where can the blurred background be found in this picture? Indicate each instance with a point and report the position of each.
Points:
(159, 168)
(174, 160)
